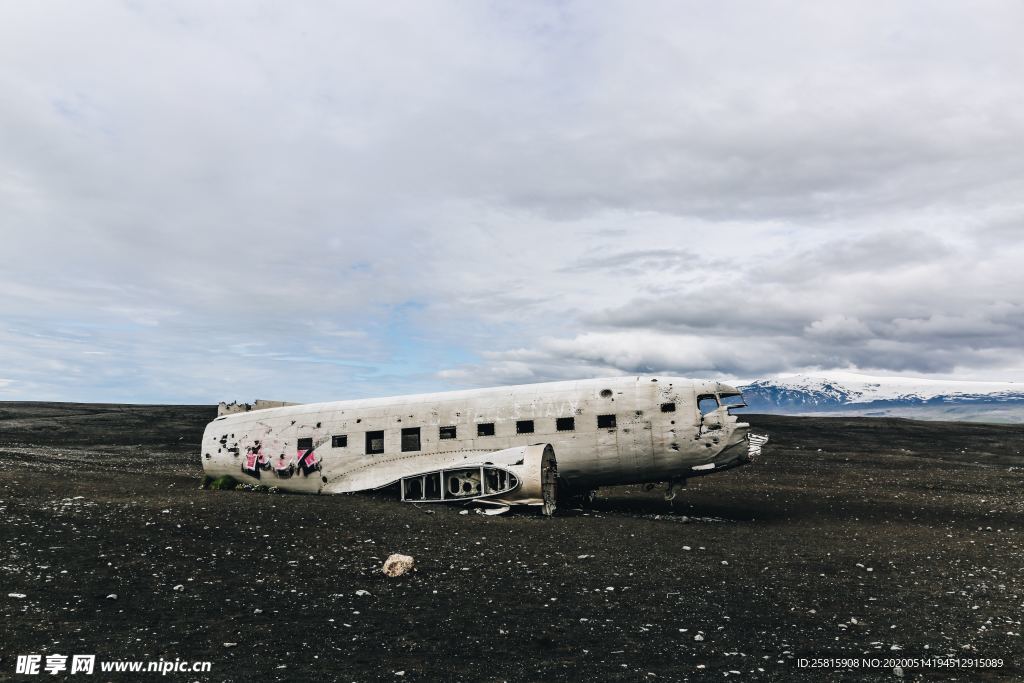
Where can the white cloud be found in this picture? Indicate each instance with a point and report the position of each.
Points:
(311, 202)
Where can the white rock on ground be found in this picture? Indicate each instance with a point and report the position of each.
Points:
(397, 564)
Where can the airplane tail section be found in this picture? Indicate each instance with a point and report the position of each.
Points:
(260, 404)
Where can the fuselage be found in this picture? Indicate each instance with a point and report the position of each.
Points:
(603, 431)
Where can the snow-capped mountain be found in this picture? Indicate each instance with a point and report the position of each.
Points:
(850, 393)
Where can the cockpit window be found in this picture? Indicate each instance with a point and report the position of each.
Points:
(732, 400)
(707, 404)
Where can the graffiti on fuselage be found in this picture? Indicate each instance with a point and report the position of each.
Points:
(308, 462)
(255, 461)
(304, 461)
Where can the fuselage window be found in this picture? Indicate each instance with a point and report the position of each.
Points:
(374, 443)
(447, 432)
(411, 439)
(305, 443)
(707, 404)
(565, 424)
(668, 407)
(485, 429)
(606, 422)
(339, 441)
(732, 400)
(524, 427)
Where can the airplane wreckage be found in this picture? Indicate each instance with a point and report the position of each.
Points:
(516, 445)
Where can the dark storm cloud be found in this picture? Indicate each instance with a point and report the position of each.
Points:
(904, 302)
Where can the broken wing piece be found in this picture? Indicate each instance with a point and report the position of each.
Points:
(462, 483)
(500, 510)
(523, 475)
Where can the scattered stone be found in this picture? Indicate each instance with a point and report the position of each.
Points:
(230, 644)
(179, 587)
(112, 596)
(397, 564)
(64, 580)
(361, 592)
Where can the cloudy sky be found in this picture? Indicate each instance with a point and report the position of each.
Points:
(306, 201)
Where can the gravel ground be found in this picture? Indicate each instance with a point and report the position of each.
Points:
(852, 538)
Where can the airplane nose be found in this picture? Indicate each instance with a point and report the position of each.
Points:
(742, 447)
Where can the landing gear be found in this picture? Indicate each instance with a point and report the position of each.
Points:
(549, 482)
(577, 498)
(673, 488)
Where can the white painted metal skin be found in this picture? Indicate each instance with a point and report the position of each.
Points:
(659, 434)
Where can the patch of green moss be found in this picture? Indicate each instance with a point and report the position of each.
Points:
(224, 483)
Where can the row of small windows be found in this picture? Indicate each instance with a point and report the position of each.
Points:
(375, 441)
(411, 435)
(562, 424)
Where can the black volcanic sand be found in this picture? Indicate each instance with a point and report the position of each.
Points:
(851, 537)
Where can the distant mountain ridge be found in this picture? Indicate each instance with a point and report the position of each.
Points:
(845, 393)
